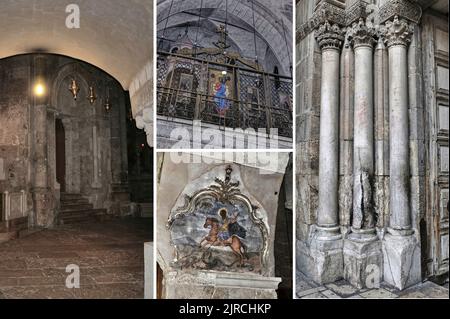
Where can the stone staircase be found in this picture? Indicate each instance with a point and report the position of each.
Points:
(77, 209)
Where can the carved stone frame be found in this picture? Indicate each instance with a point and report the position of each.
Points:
(226, 192)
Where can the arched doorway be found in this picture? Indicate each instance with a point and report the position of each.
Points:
(60, 137)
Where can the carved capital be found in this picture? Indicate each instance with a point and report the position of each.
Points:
(405, 9)
(361, 34)
(325, 11)
(329, 36)
(397, 32)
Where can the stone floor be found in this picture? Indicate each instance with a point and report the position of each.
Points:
(110, 256)
(307, 289)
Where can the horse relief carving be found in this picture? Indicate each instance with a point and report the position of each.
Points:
(218, 228)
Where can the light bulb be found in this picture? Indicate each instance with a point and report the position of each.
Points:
(39, 89)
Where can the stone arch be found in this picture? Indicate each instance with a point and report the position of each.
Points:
(68, 70)
(267, 23)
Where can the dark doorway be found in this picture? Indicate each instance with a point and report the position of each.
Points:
(60, 154)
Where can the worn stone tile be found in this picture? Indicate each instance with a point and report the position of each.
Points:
(413, 295)
(432, 290)
(316, 295)
(330, 294)
(302, 285)
(110, 256)
(342, 289)
(378, 294)
(310, 291)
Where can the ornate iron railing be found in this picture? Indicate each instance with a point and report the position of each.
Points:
(226, 95)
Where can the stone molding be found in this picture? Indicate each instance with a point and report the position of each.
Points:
(324, 12)
(397, 32)
(355, 12)
(404, 8)
(329, 36)
(361, 34)
(335, 13)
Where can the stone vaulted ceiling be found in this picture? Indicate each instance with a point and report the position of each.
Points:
(273, 22)
(115, 35)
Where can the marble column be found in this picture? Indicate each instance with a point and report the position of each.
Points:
(330, 40)
(362, 250)
(326, 245)
(362, 39)
(400, 247)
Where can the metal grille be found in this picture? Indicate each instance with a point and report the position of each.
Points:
(223, 94)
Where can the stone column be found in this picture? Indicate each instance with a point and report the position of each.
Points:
(362, 251)
(400, 247)
(330, 40)
(326, 246)
(41, 193)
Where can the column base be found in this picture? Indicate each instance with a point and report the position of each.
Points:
(363, 261)
(322, 261)
(401, 255)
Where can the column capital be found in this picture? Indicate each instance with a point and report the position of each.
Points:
(329, 36)
(361, 34)
(397, 32)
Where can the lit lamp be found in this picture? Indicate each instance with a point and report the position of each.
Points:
(107, 105)
(39, 89)
(92, 97)
(74, 89)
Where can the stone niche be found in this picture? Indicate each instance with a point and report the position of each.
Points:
(219, 233)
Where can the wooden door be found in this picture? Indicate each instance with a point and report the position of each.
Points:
(436, 71)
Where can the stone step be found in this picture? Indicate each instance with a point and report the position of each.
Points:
(77, 220)
(81, 216)
(83, 201)
(65, 207)
(69, 196)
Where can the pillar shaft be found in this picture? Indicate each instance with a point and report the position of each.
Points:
(399, 141)
(362, 38)
(397, 35)
(329, 140)
(363, 139)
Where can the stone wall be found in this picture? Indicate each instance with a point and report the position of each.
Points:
(93, 136)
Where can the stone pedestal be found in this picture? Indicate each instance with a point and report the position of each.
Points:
(323, 261)
(219, 285)
(363, 261)
(401, 255)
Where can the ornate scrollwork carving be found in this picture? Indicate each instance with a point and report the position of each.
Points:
(329, 36)
(325, 11)
(355, 12)
(361, 34)
(403, 8)
(397, 32)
